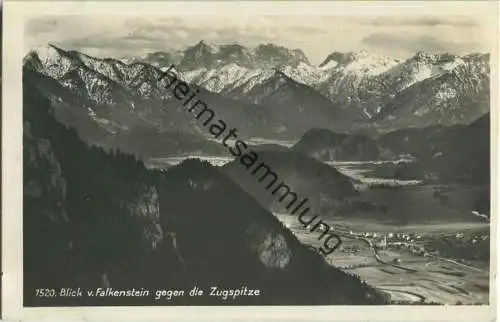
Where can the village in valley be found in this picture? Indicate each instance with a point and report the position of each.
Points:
(417, 265)
(469, 246)
(421, 244)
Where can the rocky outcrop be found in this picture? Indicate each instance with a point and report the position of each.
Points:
(146, 207)
(270, 246)
(45, 186)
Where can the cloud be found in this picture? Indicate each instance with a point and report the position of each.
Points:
(413, 43)
(307, 29)
(127, 42)
(43, 25)
(317, 35)
(457, 21)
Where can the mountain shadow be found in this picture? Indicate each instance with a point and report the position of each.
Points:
(328, 192)
(465, 158)
(418, 142)
(329, 146)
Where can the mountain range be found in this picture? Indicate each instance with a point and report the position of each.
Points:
(268, 91)
(425, 89)
(118, 97)
(205, 55)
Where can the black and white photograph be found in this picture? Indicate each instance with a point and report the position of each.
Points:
(256, 159)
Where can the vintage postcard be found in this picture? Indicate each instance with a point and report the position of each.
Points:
(234, 160)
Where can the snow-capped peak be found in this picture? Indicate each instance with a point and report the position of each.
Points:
(359, 62)
(307, 74)
(421, 66)
(369, 64)
(47, 53)
(329, 65)
(54, 61)
(216, 80)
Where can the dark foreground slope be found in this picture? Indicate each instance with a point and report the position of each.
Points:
(92, 219)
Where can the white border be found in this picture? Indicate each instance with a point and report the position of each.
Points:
(13, 21)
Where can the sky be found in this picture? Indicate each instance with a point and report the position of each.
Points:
(317, 35)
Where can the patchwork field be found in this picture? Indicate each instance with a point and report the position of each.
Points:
(401, 272)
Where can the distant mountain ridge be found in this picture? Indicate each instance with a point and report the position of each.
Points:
(109, 102)
(425, 89)
(206, 55)
(120, 96)
(279, 93)
(458, 92)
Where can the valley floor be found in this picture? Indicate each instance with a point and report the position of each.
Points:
(435, 250)
(399, 269)
(422, 250)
